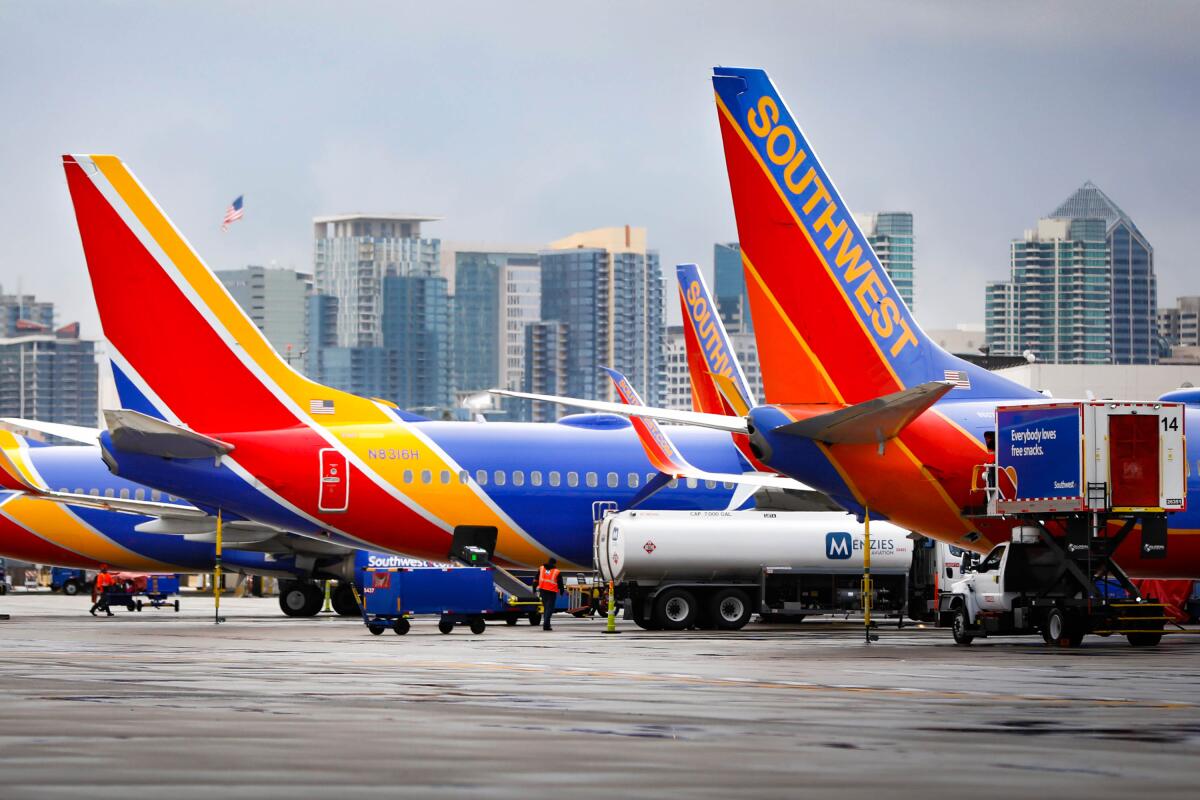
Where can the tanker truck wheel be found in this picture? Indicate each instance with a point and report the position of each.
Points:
(675, 610)
(730, 609)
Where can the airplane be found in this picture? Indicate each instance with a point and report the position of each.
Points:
(212, 414)
(109, 522)
(861, 404)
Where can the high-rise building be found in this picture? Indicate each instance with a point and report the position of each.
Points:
(890, 234)
(321, 333)
(276, 300)
(732, 301)
(1179, 328)
(45, 374)
(417, 328)
(497, 293)
(353, 253)
(678, 380)
(545, 369)
(1057, 302)
(1134, 288)
(608, 290)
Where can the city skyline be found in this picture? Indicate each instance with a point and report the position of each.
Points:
(333, 121)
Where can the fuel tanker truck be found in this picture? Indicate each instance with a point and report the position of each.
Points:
(714, 569)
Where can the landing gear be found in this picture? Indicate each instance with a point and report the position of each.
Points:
(343, 601)
(300, 598)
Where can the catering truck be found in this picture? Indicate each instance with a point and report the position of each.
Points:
(715, 569)
(1074, 480)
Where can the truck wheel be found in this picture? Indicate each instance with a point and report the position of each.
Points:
(478, 625)
(401, 626)
(535, 617)
(446, 625)
(511, 620)
(959, 628)
(343, 602)
(70, 588)
(675, 610)
(1144, 639)
(1062, 630)
(730, 609)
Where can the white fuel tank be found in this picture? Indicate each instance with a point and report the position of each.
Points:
(653, 546)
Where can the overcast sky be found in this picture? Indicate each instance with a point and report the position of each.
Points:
(525, 122)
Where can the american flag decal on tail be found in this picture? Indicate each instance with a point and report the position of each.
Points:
(320, 406)
(959, 378)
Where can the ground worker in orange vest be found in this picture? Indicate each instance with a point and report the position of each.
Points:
(549, 584)
(103, 581)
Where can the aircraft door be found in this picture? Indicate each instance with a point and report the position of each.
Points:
(334, 492)
(1133, 450)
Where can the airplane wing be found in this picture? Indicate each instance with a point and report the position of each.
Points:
(873, 421)
(135, 432)
(74, 433)
(716, 421)
(149, 508)
(667, 459)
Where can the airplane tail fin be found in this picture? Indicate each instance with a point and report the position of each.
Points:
(719, 385)
(181, 348)
(830, 325)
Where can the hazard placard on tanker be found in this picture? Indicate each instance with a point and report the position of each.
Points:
(1090, 456)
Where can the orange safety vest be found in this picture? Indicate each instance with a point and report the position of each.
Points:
(103, 579)
(548, 579)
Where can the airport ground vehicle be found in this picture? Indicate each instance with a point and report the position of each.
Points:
(1074, 480)
(458, 595)
(678, 570)
(69, 581)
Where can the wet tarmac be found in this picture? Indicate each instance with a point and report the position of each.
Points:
(165, 704)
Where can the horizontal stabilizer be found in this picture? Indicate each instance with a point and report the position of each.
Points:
(719, 422)
(73, 433)
(134, 432)
(149, 508)
(870, 422)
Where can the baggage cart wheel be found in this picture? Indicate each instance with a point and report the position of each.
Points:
(478, 625)
(959, 628)
(446, 625)
(130, 605)
(402, 626)
(375, 628)
(139, 605)
(511, 620)
(176, 606)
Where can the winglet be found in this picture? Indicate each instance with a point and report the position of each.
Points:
(17, 472)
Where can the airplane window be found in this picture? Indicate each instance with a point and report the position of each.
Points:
(634, 480)
(728, 484)
(64, 490)
(613, 480)
(572, 479)
(518, 478)
(499, 476)
(426, 476)
(592, 480)
(140, 494)
(555, 478)
(464, 476)
(673, 483)
(408, 476)
(535, 477)
(124, 494)
(649, 477)
(94, 492)
(710, 484)
(481, 477)
(171, 498)
(155, 495)
(691, 483)
(79, 491)
(109, 493)
(445, 476)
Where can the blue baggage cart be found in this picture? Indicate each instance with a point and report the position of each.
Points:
(459, 595)
(158, 591)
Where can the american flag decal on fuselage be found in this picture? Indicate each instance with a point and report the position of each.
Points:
(320, 406)
(959, 378)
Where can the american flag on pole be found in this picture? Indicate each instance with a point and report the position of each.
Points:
(233, 213)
